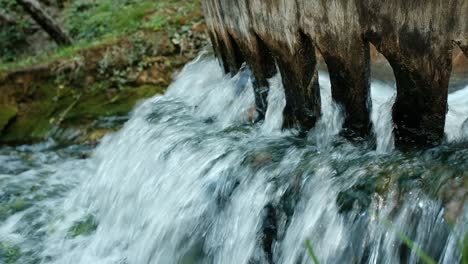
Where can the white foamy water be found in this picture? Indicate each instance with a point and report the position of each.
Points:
(190, 179)
(456, 125)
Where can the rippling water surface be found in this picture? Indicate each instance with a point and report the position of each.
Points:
(189, 179)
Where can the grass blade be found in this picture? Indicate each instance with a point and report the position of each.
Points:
(311, 252)
(411, 244)
(465, 250)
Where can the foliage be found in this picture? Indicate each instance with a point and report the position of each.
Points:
(12, 35)
(88, 20)
(97, 22)
(124, 51)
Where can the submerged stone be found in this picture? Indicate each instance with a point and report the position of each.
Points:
(9, 253)
(83, 228)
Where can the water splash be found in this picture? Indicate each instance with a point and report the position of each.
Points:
(456, 128)
(383, 98)
(331, 121)
(189, 179)
(277, 102)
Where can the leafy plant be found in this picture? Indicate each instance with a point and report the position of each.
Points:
(12, 35)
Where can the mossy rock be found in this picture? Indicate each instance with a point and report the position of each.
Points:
(83, 228)
(32, 122)
(7, 113)
(11, 208)
(359, 196)
(9, 253)
(101, 104)
(55, 106)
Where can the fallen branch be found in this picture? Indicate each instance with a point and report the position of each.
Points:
(47, 23)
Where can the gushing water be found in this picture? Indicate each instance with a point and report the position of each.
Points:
(189, 179)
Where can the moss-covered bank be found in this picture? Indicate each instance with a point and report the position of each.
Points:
(63, 95)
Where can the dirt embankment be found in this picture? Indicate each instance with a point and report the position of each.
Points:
(73, 99)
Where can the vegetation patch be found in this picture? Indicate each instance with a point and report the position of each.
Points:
(83, 228)
(9, 253)
(52, 107)
(93, 23)
(6, 114)
(123, 51)
(12, 208)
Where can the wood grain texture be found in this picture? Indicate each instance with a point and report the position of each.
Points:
(416, 37)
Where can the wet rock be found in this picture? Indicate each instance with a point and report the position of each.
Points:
(454, 193)
(252, 114)
(9, 253)
(83, 228)
(358, 197)
(7, 113)
(261, 159)
(13, 207)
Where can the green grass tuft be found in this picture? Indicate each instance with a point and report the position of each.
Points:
(465, 250)
(92, 23)
(311, 252)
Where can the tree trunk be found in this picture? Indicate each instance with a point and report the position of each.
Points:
(55, 31)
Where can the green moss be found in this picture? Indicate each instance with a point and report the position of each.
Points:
(55, 106)
(9, 253)
(465, 250)
(33, 121)
(100, 104)
(6, 114)
(83, 228)
(94, 23)
(16, 206)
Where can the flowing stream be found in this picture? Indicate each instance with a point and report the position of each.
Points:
(189, 179)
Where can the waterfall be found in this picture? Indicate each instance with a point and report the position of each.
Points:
(190, 179)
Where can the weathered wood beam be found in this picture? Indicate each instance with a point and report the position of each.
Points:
(415, 37)
(262, 64)
(298, 68)
(347, 55)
